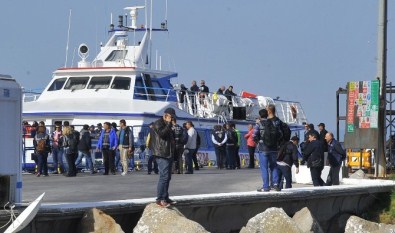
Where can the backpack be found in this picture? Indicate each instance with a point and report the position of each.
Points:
(232, 137)
(269, 134)
(286, 132)
(41, 145)
(198, 140)
(71, 142)
(285, 149)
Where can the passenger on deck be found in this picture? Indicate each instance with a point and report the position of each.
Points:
(229, 93)
(203, 91)
(183, 91)
(221, 90)
(192, 95)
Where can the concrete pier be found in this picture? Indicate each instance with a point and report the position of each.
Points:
(220, 200)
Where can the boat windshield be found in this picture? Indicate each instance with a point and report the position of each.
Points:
(117, 55)
(99, 82)
(121, 83)
(57, 84)
(76, 83)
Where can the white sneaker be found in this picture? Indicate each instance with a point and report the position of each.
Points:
(123, 174)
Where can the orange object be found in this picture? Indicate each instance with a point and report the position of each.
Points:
(245, 94)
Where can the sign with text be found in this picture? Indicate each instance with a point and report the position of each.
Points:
(362, 113)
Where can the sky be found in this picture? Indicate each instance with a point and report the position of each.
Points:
(296, 50)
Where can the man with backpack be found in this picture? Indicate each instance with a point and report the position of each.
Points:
(181, 138)
(287, 155)
(266, 135)
(231, 144)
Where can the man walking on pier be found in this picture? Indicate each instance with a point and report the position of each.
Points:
(336, 155)
(162, 142)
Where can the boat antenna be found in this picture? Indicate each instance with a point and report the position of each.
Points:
(146, 16)
(166, 15)
(150, 35)
(68, 39)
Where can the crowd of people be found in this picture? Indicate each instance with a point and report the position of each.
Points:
(168, 144)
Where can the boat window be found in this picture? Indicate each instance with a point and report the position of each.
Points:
(99, 82)
(121, 83)
(57, 84)
(117, 55)
(139, 88)
(76, 83)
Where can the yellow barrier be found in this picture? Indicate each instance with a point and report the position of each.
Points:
(354, 159)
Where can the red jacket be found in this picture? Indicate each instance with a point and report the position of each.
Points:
(249, 137)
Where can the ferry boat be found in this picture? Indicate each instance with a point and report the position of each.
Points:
(120, 83)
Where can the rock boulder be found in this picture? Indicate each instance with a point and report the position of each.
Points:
(359, 225)
(96, 221)
(358, 175)
(165, 220)
(306, 222)
(273, 220)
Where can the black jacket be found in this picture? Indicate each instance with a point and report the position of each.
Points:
(128, 138)
(314, 154)
(322, 139)
(85, 143)
(336, 153)
(288, 154)
(162, 140)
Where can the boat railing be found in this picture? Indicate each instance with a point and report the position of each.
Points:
(31, 95)
(154, 93)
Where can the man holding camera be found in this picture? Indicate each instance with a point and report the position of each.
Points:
(162, 143)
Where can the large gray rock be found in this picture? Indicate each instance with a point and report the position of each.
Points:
(358, 175)
(273, 220)
(157, 219)
(359, 225)
(96, 221)
(306, 222)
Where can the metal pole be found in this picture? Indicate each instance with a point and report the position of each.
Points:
(382, 76)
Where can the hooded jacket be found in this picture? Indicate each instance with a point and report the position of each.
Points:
(113, 139)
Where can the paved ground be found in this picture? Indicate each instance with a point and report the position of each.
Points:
(137, 184)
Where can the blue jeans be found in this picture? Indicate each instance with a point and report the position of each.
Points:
(268, 160)
(117, 159)
(164, 166)
(188, 160)
(57, 155)
(88, 159)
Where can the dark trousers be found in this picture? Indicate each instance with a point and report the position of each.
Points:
(220, 153)
(71, 157)
(284, 172)
(109, 161)
(230, 156)
(333, 176)
(152, 160)
(194, 159)
(316, 176)
(237, 157)
(42, 165)
(251, 152)
(178, 159)
(188, 160)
